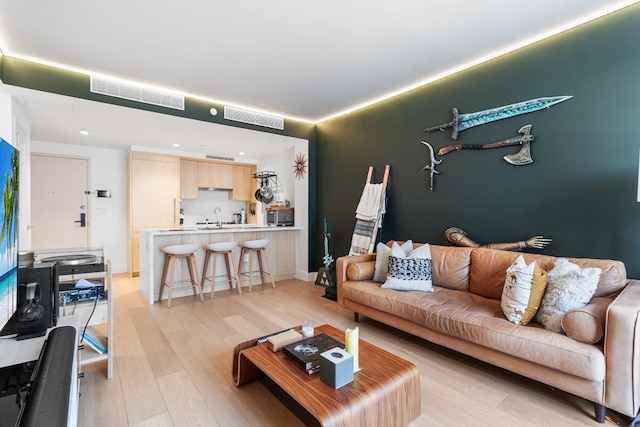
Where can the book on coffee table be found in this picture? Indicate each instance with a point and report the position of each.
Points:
(306, 353)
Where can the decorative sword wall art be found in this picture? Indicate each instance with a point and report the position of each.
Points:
(461, 122)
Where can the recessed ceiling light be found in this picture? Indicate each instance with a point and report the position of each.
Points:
(213, 112)
(176, 145)
(84, 132)
(241, 153)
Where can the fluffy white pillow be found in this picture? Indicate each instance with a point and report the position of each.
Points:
(523, 290)
(382, 259)
(410, 272)
(568, 287)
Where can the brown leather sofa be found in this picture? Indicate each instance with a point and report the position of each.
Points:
(464, 314)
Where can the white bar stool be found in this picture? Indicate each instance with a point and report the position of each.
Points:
(171, 254)
(212, 251)
(258, 247)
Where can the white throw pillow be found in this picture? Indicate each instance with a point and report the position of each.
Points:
(410, 272)
(382, 259)
(568, 287)
(523, 290)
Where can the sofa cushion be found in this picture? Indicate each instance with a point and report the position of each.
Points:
(361, 270)
(480, 320)
(450, 266)
(587, 324)
(523, 290)
(410, 271)
(488, 267)
(383, 252)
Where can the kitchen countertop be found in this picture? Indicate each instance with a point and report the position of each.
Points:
(226, 228)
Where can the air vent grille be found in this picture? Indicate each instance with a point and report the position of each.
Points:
(227, 159)
(133, 92)
(251, 117)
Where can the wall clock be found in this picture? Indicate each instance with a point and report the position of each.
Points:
(300, 165)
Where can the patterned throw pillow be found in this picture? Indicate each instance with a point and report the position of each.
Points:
(410, 272)
(382, 259)
(523, 290)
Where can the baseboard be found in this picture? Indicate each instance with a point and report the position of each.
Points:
(306, 276)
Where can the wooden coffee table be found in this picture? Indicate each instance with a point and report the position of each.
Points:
(386, 391)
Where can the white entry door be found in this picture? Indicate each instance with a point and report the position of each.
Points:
(59, 205)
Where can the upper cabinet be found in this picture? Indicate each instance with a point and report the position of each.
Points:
(196, 174)
(188, 179)
(243, 183)
(215, 175)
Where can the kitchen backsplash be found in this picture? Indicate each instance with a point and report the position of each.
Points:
(203, 208)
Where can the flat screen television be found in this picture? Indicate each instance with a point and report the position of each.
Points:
(9, 159)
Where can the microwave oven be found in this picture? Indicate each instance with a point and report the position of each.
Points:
(280, 216)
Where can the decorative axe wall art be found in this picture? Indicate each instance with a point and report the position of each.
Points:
(522, 157)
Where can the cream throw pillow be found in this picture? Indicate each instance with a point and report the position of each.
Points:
(382, 259)
(523, 290)
(410, 272)
(568, 287)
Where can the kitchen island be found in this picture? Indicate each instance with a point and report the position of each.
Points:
(281, 249)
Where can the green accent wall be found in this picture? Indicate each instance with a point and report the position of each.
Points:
(581, 190)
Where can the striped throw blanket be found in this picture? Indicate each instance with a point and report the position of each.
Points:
(362, 237)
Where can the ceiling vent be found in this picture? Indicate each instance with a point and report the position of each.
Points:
(251, 117)
(133, 92)
(226, 159)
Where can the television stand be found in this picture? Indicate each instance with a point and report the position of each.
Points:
(54, 387)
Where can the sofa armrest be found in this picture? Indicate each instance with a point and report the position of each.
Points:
(341, 269)
(622, 351)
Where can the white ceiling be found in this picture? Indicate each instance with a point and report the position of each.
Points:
(303, 59)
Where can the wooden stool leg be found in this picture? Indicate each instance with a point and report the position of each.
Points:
(233, 271)
(239, 275)
(266, 256)
(213, 273)
(227, 260)
(250, 271)
(207, 255)
(260, 266)
(163, 281)
(193, 275)
(172, 260)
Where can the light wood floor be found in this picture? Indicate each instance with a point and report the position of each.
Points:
(173, 367)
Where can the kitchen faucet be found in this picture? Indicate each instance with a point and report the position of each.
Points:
(219, 212)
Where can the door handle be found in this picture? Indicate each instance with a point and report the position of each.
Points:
(83, 220)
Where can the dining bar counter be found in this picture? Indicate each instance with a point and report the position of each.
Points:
(281, 249)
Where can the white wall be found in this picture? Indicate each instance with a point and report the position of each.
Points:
(107, 216)
(296, 191)
(6, 118)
